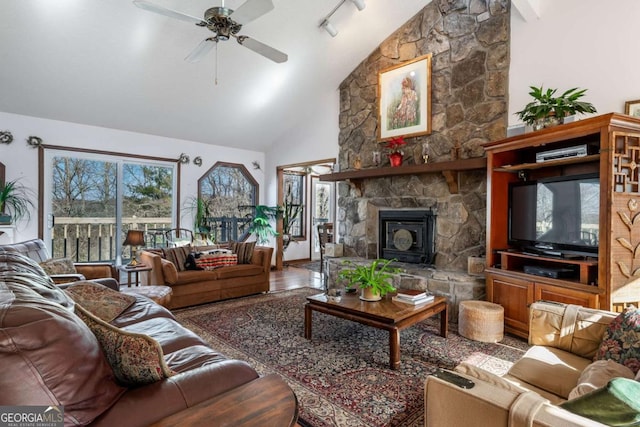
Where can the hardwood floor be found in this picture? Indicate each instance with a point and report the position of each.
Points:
(291, 277)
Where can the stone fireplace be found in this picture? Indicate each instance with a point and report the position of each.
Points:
(469, 41)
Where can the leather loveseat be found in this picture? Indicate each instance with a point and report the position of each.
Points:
(191, 287)
(564, 340)
(50, 357)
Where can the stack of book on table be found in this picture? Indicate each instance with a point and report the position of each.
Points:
(413, 296)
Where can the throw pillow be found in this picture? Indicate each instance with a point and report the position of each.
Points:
(244, 250)
(136, 359)
(99, 300)
(621, 341)
(58, 266)
(190, 263)
(616, 404)
(597, 375)
(213, 261)
(177, 256)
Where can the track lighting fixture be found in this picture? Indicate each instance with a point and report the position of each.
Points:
(328, 26)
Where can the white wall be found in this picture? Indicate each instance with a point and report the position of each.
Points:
(586, 43)
(21, 160)
(315, 139)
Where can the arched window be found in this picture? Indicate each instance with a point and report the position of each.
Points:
(229, 193)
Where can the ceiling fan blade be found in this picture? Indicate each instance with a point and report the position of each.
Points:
(151, 7)
(250, 10)
(201, 50)
(261, 48)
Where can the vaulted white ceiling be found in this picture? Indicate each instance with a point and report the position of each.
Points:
(108, 63)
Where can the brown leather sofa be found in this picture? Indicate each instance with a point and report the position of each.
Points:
(193, 287)
(564, 340)
(50, 357)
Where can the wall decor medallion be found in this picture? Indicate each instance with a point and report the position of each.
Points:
(184, 158)
(632, 108)
(404, 99)
(6, 137)
(34, 141)
(197, 161)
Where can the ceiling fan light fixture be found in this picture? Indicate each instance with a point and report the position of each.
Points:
(329, 28)
(360, 4)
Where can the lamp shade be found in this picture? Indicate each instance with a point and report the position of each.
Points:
(329, 28)
(360, 4)
(134, 238)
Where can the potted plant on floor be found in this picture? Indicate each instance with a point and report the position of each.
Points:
(261, 223)
(374, 279)
(15, 203)
(547, 110)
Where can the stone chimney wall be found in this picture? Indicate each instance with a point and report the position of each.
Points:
(469, 41)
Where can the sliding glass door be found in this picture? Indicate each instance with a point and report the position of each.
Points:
(92, 200)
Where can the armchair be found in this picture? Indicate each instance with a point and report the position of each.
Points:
(37, 251)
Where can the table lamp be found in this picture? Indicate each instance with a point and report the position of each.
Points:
(134, 239)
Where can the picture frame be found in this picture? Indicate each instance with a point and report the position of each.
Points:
(404, 99)
(632, 108)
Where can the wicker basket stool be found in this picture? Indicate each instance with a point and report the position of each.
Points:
(481, 321)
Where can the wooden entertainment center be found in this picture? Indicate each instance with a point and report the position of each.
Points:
(609, 281)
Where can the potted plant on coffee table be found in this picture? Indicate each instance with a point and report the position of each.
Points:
(547, 110)
(374, 279)
(15, 202)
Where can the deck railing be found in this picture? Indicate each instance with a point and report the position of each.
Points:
(94, 239)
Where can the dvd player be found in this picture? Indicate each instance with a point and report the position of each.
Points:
(552, 272)
(561, 153)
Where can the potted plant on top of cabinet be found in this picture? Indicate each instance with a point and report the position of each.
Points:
(547, 110)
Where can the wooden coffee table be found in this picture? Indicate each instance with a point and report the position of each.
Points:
(384, 314)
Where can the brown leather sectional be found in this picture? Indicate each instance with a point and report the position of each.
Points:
(193, 287)
(50, 357)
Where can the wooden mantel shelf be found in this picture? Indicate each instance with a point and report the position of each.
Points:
(449, 169)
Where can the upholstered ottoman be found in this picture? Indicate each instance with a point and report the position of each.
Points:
(158, 293)
(481, 321)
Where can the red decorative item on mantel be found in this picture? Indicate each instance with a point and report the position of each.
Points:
(395, 155)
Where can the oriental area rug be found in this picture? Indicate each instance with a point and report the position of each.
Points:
(341, 377)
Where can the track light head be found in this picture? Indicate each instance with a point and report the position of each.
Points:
(359, 4)
(329, 28)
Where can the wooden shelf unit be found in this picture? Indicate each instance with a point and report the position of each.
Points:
(450, 170)
(606, 282)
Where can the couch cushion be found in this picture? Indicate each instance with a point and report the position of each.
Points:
(551, 369)
(597, 375)
(99, 300)
(136, 359)
(244, 250)
(58, 266)
(50, 357)
(240, 270)
(177, 256)
(621, 341)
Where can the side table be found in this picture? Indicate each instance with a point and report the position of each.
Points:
(136, 271)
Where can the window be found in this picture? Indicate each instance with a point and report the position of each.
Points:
(230, 193)
(293, 216)
(93, 199)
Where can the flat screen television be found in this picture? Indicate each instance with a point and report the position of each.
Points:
(555, 216)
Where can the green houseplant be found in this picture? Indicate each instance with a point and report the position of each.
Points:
(546, 109)
(374, 278)
(15, 202)
(261, 223)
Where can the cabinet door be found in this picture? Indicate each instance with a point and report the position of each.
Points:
(514, 295)
(565, 295)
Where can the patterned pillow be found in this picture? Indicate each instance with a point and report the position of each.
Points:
(136, 359)
(99, 300)
(58, 266)
(621, 341)
(213, 261)
(178, 256)
(244, 250)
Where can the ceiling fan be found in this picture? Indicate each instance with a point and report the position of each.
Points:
(224, 23)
